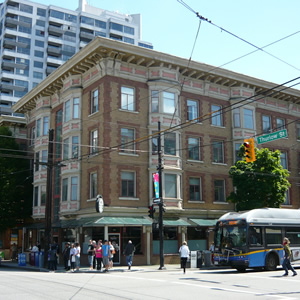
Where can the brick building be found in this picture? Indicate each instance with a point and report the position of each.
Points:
(110, 94)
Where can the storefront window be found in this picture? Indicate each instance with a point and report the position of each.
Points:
(135, 235)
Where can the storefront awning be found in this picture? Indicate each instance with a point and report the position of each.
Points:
(118, 221)
(178, 222)
(205, 222)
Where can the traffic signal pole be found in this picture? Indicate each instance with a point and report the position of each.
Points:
(160, 220)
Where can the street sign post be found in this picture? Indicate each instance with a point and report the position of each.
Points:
(272, 136)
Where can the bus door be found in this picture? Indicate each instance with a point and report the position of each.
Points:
(256, 246)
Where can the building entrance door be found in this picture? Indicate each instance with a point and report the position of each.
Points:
(115, 240)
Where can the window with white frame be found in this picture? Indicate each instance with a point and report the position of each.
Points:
(37, 160)
(154, 101)
(266, 120)
(283, 159)
(218, 151)
(192, 110)
(195, 189)
(94, 142)
(194, 148)
(216, 116)
(168, 102)
(237, 147)
(66, 149)
(67, 115)
(154, 144)
(75, 108)
(38, 127)
(248, 118)
(43, 195)
(64, 189)
(219, 187)
(94, 101)
(127, 184)
(75, 147)
(280, 123)
(287, 198)
(170, 185)
(45, 125)
(127, 98)
(44, 158)
(236, 118)
(170, 143)
(36, 196)
(298, 131)
(32, 137)
(74, 188)
(93, 185)
(127, 136)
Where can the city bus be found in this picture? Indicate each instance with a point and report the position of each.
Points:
(253, 239)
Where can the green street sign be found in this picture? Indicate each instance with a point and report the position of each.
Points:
(272, 136)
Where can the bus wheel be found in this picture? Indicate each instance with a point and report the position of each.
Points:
(271, 262)
(241, 269)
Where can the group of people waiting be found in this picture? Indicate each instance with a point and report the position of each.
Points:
(71, 256)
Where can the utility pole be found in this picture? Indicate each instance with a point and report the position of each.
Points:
(48, 206)
(161, 204)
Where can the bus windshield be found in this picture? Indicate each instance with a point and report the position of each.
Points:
(230, 237)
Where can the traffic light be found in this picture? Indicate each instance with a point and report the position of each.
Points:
(249, 150)
(151, 211)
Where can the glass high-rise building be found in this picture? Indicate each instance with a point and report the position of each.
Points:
(36, 39)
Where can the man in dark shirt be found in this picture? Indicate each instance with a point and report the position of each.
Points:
(128, 252)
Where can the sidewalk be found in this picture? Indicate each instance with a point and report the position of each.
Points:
(85, 269)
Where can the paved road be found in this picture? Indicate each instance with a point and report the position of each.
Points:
(149, 284)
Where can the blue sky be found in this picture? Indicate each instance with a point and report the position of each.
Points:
(172, 29)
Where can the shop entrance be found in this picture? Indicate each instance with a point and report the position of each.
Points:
(115, 240)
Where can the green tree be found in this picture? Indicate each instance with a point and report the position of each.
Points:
(258, 184)
(15, 182)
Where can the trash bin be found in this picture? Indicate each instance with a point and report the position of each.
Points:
(193, 259)
(36, 259)
(22, 259)
(41, 259)
(199, 259)
(32, 258)
(207, 258)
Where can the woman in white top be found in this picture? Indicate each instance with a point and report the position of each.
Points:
(72, 257)
(184, 254)
(77, 256)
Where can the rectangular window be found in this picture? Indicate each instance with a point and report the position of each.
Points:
(154, 144)
(66, 149)
(38, 75)
(216, 116)
(283, 160)
(116, 26)
(248, 118)
(129, 30)
(194, 148)
(287, 198)
(154, 101)
(75, 148)
(298, 131)
(266, 124)
(195, 189)
(219, 186)
(280, 123)
(192, 110)
(218, 152)
(43, 195)
(127, 136)
(94, 142)
(41, 12)
(74, 188)
(93, 185)
(170, 185)
(170, 143)
(44, 158)
(39, 43)
(37, 160)
(128, 186)
(273, 236)
(38, 127)
(40, 23)
(236, 151)
(36, 196)
(38, 64)
(67, 111)
(75, 108)
(38, 53)
(94, 101)
(32, 139)
(45, 125)
(127, 98)
(294, 236)
(64, 189)
(168, 102)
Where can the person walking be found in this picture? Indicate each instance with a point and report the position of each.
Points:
(91, 253)
(184, 254)
(77, 256)
(111, 254)
(128, 252)
(66, 256)
(72, 257)
(105, 255)
(98, 255)
(53, 258)
(287, 258)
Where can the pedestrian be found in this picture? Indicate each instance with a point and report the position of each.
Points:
(72, 257)
(66, 256)
(98, 255)
(184, 254)
(287, 258)
(53, 258)
(91, 254)
(94, 257)
(212, 252)
(128, 252)
(14, 251)
(111, 254)
(77, 256)
(105, 255)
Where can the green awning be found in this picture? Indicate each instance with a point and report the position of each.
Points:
(178, 222)
(205, 222)
(118, 221)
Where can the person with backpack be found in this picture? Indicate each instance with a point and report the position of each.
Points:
(128, 252)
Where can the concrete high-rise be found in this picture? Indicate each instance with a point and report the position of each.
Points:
(36, 39)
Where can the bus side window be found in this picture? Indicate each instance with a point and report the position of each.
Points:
(255, 236)
(294, 236)
(273, 236)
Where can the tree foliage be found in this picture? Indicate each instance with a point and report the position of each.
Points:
(15, 182)
(258, 184)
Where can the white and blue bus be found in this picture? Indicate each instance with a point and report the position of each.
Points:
(253, 239)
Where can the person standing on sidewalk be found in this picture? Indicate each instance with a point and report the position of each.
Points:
(98, 255)
(72, 257)
(184, 254)
(105, 255)
(287, 258)
(128, 252)
(77, 255)
(66, 256)
(91, 253)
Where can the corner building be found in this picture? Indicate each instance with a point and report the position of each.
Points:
(104, 105)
